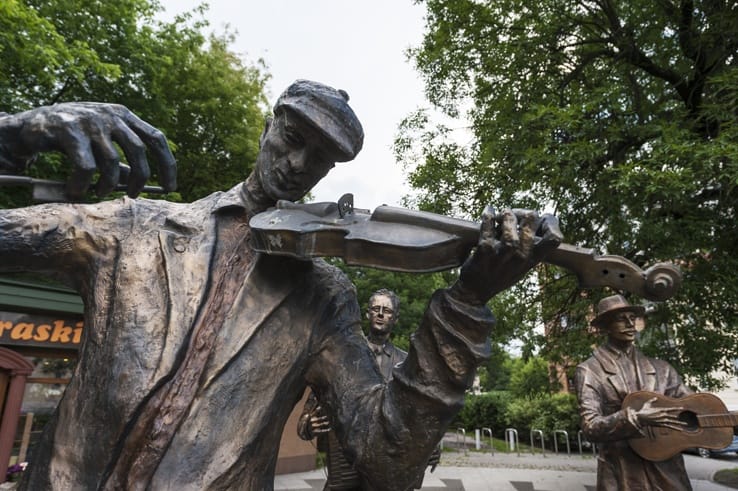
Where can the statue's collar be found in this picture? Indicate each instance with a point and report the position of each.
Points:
(236, 197)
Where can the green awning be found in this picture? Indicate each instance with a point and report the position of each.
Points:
(33, 297)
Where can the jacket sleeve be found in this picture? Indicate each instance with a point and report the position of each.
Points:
(61, 240)
(390, 429)
(601, 420)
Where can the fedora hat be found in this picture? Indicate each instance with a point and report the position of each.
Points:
(613, 304)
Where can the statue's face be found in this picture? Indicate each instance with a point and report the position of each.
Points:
(622, 326)
(292, 159)
(381, 314)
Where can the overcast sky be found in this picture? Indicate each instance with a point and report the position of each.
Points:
(355, 45)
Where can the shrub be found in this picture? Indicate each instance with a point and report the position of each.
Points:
(485, 411)
(546, 413)
(530, 378)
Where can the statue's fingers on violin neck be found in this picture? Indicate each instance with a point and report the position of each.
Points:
(520, 219)
(507, 226)
(524, 214)
(487, 227)
(549, 229)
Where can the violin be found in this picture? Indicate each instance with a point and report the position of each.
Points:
(399, 239)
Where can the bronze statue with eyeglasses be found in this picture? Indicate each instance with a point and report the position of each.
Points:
(383, 312)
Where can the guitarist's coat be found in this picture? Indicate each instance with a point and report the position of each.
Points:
(601, 388)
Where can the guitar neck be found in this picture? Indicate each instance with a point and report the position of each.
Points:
(717, 420)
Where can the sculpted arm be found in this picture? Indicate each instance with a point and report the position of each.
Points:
(388, 430)
(391, 429)
(675, 386)
(60, 240)
(598, 424)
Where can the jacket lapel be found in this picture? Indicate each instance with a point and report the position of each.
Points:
(646, 372)
(186, 252)
(267, 286)
(187, 240)
(610, 368)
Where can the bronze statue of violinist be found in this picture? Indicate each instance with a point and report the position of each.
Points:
(197, 346)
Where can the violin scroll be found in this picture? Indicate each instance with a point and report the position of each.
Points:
(663, 280)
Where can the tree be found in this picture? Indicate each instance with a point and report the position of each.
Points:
(495, 374)
(38, 61)
(530, 378)
(619, 116)
(209, 102)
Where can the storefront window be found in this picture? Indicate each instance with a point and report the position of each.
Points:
(44, 389)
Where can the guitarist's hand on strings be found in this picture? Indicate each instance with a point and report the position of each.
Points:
(650, 415)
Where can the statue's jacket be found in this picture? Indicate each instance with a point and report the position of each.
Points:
(144, 269)
(601, 389)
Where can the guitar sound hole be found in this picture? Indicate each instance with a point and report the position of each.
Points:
(691, 419)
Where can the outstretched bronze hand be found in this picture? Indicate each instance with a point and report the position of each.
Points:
(510, 244)
(86, 132)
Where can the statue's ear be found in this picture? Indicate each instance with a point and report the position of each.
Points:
(267, 124)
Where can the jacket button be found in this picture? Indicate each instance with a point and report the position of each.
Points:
(180, 244)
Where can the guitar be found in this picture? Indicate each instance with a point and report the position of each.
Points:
(708, 425)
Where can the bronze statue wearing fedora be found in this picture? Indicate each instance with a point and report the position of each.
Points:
(616, 369)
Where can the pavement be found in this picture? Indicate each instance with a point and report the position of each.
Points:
(485, 471)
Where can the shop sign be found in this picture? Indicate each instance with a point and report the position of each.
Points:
(35, 330)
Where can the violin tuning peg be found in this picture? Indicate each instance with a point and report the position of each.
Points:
(345, 205)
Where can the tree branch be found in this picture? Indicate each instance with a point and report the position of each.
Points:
(585, 60)
(57, 97)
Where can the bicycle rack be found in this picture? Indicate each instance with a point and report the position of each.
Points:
(491, 443)
(532, 444)
(462, 432)
(566, 438)
(511, 438)
(579, 441)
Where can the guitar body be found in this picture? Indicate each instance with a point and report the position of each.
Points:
(662, 443)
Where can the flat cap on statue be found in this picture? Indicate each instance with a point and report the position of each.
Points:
(613, 304)
(327, 110)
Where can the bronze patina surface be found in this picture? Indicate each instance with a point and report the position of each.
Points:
(616, 369)
(197, 347)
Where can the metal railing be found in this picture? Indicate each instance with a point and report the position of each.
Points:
(580, 441)
(461, 432)
(566, 439)
(491, 442)
(511, 438)
(532, 442)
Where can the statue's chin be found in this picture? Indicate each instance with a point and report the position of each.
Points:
(286, 196)
(277, 193)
